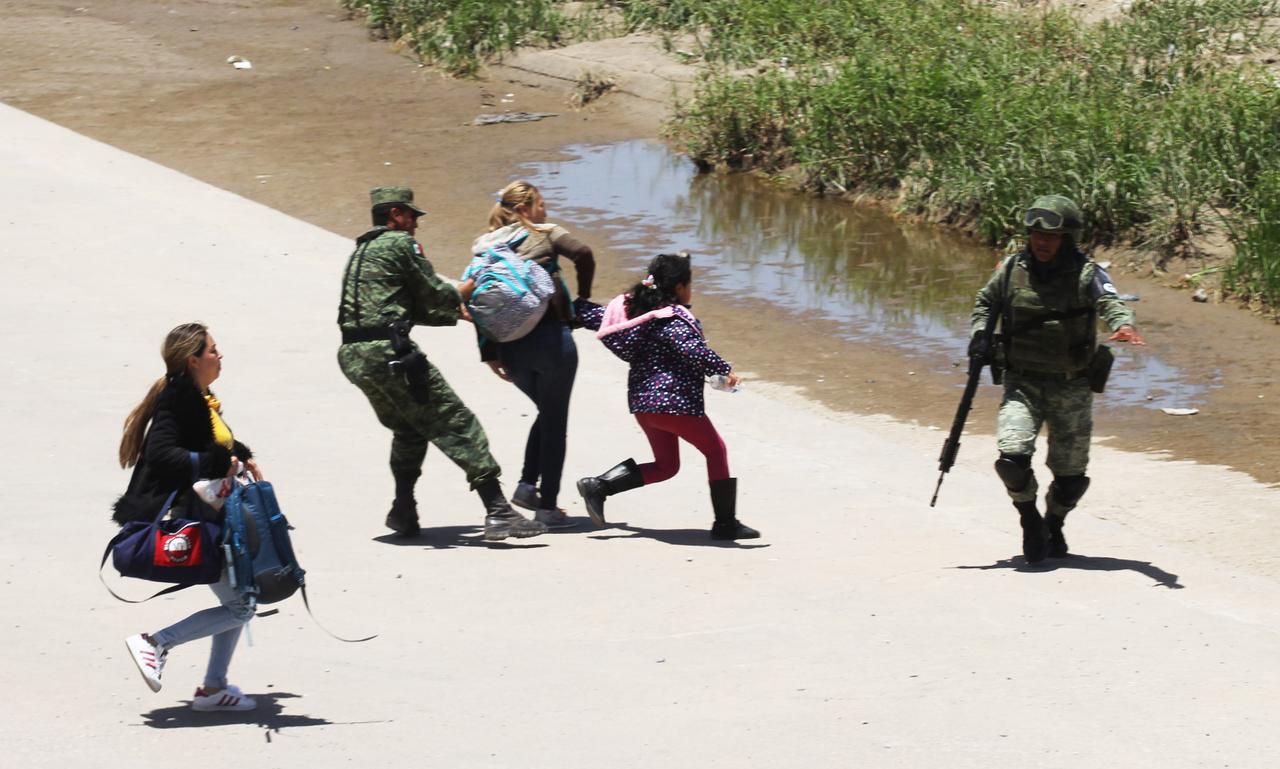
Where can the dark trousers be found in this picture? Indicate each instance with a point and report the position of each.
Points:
(543, 365)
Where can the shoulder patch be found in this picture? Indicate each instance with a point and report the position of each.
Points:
(1101, 284)
(417, 249)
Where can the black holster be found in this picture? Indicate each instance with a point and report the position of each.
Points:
(409, 362)
(1100, 368)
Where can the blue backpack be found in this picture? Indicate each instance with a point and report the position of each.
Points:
(258, 549)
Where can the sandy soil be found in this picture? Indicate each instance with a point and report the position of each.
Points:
(326, 113)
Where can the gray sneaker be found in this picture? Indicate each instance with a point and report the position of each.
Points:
(556, 519)
(526, 496)
(509, 523)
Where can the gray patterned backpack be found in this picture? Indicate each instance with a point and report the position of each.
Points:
(511, 293)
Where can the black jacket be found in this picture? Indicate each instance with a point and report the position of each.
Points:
(179, 426)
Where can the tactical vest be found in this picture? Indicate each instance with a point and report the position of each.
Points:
(1049, 324)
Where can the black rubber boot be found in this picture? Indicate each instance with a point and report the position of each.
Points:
(1035, 542)
(500, 518)
(623, 476)
(724, 500)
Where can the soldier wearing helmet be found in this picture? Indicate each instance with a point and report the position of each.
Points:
(1049, 298)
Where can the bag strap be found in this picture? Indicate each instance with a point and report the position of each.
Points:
(195, 476)
(307, 603)
(107, 554)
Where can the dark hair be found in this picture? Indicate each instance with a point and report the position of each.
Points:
(382, 213)
(667, 271)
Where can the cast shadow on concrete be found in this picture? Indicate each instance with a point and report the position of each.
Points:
(681, 537)
(1087, 563)
(269, 715)
(450, 537)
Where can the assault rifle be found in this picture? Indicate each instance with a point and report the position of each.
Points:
(981, 353)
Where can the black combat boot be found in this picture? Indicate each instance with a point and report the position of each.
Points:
(1063, 496)
(624, 476)
(500, 519)
(724, 501)
(403, 517)
(1035, 542)
(1057, 543)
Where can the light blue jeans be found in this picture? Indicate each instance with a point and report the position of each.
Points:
(222, 622)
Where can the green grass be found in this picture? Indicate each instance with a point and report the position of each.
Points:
(458, 35)
(962, 112)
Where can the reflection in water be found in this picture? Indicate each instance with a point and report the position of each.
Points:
(864, 274)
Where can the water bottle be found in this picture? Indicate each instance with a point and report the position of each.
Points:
(721, 382)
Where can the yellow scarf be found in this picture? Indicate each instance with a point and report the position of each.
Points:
(221, 433)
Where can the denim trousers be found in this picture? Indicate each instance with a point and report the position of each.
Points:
(543, 365)
(222, 622)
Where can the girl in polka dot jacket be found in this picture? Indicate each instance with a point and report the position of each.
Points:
(652, 328)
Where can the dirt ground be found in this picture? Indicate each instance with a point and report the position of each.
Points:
(325, 113)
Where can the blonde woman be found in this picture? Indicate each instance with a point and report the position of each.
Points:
(544, 362)
(178, 428)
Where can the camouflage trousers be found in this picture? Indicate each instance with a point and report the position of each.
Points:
(444, 421)
(1064, 407)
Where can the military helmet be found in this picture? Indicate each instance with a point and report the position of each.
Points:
(1054, 213)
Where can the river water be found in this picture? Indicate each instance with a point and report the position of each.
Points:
(864, 274)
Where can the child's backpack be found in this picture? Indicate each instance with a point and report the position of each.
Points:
(511, 293)
(259, 553)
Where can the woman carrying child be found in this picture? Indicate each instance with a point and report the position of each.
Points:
(652, 328)
(544, 362)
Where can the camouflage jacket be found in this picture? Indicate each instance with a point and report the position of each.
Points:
(388, 278)
(1049, 312)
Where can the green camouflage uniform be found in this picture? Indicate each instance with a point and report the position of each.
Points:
(1045, 381)
(388, 278)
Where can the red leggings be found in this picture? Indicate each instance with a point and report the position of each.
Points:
(664, 432)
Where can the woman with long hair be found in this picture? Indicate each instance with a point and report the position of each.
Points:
(175, 435)
(544, 362)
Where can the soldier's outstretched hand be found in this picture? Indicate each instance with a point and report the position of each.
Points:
(1127, 334)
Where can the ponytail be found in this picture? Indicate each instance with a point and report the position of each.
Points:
(182, 342)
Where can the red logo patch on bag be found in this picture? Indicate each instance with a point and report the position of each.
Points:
(181, 548)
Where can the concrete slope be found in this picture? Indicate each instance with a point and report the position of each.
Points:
(863, 630)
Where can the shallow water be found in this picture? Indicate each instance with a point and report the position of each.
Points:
(860, 273)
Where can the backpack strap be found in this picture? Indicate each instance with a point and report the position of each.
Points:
(307, 603)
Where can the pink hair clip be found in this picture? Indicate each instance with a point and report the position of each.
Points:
(647, 282)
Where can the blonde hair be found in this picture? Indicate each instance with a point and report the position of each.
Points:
(516, 195)
(182, 342)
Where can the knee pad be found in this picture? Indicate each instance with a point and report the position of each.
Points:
(1015, 471)
(1066, 490)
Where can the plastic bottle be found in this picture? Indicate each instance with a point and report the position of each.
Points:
(721, 382)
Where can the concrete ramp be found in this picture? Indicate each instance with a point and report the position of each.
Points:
(863, 630)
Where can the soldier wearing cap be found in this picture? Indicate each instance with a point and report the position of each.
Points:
(1049, 297)
(389, 286)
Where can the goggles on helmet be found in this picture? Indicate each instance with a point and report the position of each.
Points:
(1044, 219)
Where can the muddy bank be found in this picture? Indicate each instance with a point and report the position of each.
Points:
(326, 113)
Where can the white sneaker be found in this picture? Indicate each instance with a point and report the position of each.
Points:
(228, 698)
(148, 657)
(556, 519)
(526, 496)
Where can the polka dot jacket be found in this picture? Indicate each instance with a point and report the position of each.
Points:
(669, 358)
